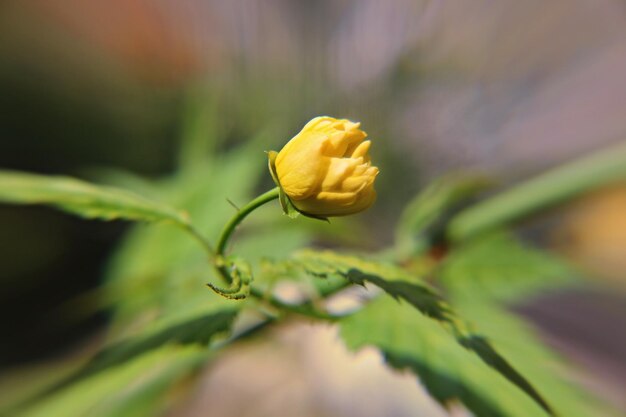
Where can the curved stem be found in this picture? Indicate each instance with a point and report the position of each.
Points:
(230, 227)
(235, 281)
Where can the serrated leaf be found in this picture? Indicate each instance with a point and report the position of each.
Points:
(155, 286)
(84, 199)
(520, 343)
(448, 371)
(159, 268)
(403, 286)
(482, 275)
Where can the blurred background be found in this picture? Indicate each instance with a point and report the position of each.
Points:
(103, 88)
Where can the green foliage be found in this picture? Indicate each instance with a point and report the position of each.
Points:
(197, 330)
(545, 190)
(139, 387)
(395, 281)
(201, 131)
(497, 266)
(423, 218)
(84, 199)
(447, 370)
(165, 325)
(240, 274)
(478, 278)
(485, 274)
(158, 270)
(155, 286)
(401, 285)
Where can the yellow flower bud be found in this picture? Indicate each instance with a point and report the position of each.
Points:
(325, 170)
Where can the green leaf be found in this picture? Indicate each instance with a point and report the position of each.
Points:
(188, 329)
(499, 267)
(423, 219)
(540, 192)
(140, 387)
(449, 372)
(519, 342)
(201, 129)
(158, 268)
(191, 330)
(84, 199)
(403, 286)
(482, 275)
(155, 288)
(394, 281)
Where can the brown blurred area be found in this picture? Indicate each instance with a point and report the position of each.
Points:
(506, 87)
(593, 234)
(139, 36)
(497, 86)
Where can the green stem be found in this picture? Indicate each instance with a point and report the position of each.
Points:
(305, 309)
(241, 214)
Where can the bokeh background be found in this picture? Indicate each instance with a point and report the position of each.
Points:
(509, 88)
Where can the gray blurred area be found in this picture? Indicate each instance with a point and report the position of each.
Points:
(506, 87)
(482, 83)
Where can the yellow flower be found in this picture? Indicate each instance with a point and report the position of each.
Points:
(325, 170)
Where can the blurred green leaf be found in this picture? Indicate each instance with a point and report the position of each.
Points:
(448, 371)
(188, 329)
(499, 267)
(519, 342)
(194, 330)
(424, 216)
(545, 190)
(139, 387)
(156, 282)
(485, 273)
(201, 130)
(157, 269)
(403, 286)
(84, 199)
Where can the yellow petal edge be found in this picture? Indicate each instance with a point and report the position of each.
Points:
(325, 170)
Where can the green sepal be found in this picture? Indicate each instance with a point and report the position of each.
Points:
(288, 208)
(271, 164)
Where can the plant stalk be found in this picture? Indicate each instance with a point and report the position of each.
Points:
(243, 212)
